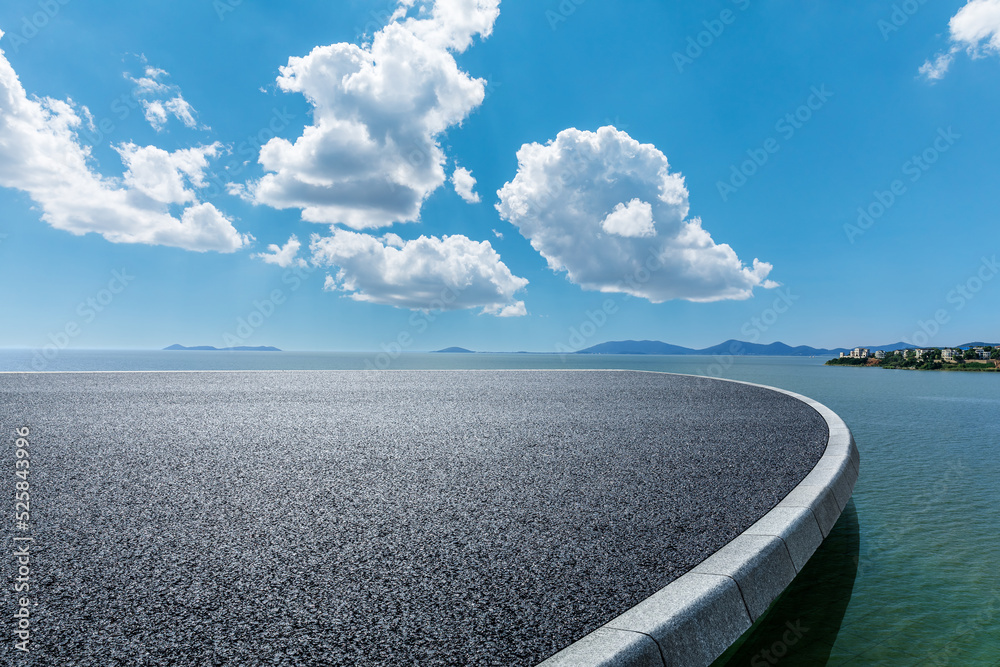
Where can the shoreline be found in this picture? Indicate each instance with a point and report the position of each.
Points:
(974, 358)
(954, 368)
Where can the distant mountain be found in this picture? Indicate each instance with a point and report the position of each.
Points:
(742, 348)
(209, 348)
(890, 347)
(730, 347)
(637, 347)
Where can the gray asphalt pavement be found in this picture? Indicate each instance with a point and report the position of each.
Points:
(375, 518)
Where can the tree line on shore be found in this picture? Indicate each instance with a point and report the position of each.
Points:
(928, 360)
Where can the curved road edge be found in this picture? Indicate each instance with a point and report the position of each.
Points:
(698, 616)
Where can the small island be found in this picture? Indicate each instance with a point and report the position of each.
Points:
(210, 348)
(973, 358)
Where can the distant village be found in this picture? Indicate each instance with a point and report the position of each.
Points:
(984, 357)
(947, 354)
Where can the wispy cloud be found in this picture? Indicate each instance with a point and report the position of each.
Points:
(161, 100)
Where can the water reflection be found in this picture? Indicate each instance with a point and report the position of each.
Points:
(801, 626)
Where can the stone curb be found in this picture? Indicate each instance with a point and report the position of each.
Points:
(697, 617)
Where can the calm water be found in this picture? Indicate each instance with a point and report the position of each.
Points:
(911, 575)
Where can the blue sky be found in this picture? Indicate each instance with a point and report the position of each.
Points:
(631, 162)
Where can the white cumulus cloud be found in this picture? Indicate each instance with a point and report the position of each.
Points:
(465, 185)
(164, 176)
(975, 28)
(40, 154)
(977, 25)
(372, 155)
(284, 256)
(632, 219)
(607, 210)
(517, 309)
(429, 273)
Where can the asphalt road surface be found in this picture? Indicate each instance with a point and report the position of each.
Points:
(373, 518)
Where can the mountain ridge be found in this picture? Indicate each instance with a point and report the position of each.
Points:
(730, 347)
(212, 348)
